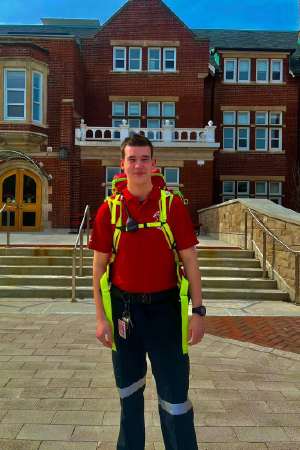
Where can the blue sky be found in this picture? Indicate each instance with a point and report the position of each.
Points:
(230, 14)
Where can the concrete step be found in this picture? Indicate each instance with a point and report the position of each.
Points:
(43, 270)
(245, 294)
(233, 272)
(42, 260)
(219, 253)
(228, 262)
(43, 251)
(238, 283)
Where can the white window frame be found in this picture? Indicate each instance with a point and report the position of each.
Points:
(228, 193)
(267, 72)
(6, 89)
(279, 193)
(111, 167)
(153, 103)
(134, 115)
(276, 198)
(267, 118)
(118, 69)
(134, 59)
(234, 118)
(263, 193)
(113, 109)
(280, 139)
(234, 70)
(248, 118)
(136, 129)
(177, 170)
(281, 71)
(164, 57)
(40, 97)
(249, 71)
(230, 128)
(243, 194)
(248, 134)
(280, 118)
(159, 67)
(113, 134)
(260, 139)
(163, 107)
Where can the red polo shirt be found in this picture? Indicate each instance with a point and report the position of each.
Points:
(144, 262)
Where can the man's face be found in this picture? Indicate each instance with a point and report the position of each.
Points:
(138, 164)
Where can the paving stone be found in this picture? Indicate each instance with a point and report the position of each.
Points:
(50, 351)
(26, 358)
(238, 385)
(28, 416)
(17, 351)
(227, 419)
(11, 365)
(283, 445)
(80, 365)
(46, 432)
(78, 417)
(262, 434)
(61, 445)
(19, 445)
(216, 394)
(60, 404)
(215, 434)
(293, 432)
(285, 407)
(54, 373)
(102, 383)
(106, 405)
(112, 446)
(41, 392)
(17, 373)
(246, 407)
(7, 392)
(276, 386)
(27, 382)
(18, 403)
(231, 446)
(87, 393)
(9, 431)
(95, 433)
(276, 420)
(261, 395)
(67, 382)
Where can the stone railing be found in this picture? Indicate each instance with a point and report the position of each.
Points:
(165, 134)
(226, 222)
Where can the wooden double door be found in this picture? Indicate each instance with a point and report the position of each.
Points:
(21, 191)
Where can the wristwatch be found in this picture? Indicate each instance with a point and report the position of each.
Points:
(201, 310)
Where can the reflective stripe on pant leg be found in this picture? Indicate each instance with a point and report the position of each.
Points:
(184, 313)
(107, 304)
(177, 408)
(126, 392)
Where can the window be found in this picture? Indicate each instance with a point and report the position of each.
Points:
(37, 97)
(243, 118)
(243, 138)
(171, 176)
(228, 187)
(261, 118)
(276, 70)
(169, 59)
(154, 58)
(110, 173)
(243, 189)
(116, 123)
(262, 70)
(136, 124)
(275, 187)
(275, 138)
(118, 109)
(15, 94)
(230, 70)
(153, 109)
(275, 118)
(134, 109)
(135, 59)
(244, 70)
(119, 58)
(153, 123)
(260, 188)
(229, 118)
(261, 139)
(168, 109)
(229, 138)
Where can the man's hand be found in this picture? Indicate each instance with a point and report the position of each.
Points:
(195, 329)
(103, 329)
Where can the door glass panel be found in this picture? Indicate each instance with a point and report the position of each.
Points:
(9, 189)
(28, 219)
(29, 190)
(4, 219)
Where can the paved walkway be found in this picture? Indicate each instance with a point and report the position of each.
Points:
(57, 390)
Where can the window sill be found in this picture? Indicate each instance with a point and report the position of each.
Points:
(259, 152)
(23, 122)
(252, 83)
(143, 72)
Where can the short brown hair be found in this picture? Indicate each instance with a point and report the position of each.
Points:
(136, 140)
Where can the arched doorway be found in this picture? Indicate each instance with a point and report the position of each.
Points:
(21, 190)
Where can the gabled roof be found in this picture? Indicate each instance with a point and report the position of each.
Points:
(253, 40)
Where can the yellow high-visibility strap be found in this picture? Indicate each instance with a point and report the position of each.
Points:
(184, 313)
(107, 304)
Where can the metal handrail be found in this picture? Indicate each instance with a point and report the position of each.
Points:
(275, 238)
(7, 224)
(80, 236)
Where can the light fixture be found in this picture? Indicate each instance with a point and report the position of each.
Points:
(63, 153)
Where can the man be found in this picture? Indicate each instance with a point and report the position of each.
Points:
(145, 308)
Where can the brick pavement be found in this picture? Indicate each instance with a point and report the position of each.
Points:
(57, 390)
(282, 333)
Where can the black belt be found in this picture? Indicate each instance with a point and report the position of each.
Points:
(129, 297)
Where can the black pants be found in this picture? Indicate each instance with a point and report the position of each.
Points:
(157, 331)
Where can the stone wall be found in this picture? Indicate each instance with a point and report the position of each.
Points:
(226, 222)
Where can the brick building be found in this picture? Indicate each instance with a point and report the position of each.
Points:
(221, 107)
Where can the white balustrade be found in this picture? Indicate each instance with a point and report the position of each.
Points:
(165, 134)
